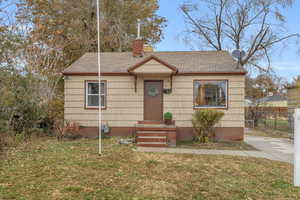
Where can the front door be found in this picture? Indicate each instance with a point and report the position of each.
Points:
(153, 100)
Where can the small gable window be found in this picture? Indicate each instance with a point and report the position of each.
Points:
(92, 96)
(210, 93)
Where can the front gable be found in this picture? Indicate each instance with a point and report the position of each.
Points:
(152, 65)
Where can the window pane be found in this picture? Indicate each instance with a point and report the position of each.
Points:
(93, 88)
(102, 87)
(102, 101)
(93, 100)
(210, 93)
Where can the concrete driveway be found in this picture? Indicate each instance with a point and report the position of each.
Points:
(276, 148)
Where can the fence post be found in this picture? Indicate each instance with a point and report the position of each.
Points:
(297, 147)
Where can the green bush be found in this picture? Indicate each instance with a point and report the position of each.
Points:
(168, 116)
(204, 121)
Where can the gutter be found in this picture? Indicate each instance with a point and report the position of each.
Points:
(129, 74)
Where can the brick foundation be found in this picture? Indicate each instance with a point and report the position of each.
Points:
(182, 133)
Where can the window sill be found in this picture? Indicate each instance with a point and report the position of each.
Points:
(214, 108)
(94, 108)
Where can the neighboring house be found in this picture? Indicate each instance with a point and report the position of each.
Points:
(248, 102)
(138, 87)
(273, 101)
(293, 97)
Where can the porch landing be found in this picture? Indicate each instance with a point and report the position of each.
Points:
(155, 134)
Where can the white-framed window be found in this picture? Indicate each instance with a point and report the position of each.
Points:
(210, 93)
(92, 94)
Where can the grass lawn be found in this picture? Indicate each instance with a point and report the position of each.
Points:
(267, 133)
(217, 145)
(47, 169)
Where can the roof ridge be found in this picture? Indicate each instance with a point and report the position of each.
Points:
(205, 51)
(189, 51)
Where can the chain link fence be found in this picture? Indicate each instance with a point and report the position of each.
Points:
(273, 118)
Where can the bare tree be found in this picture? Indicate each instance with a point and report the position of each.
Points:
(45, 63)
(255, 26)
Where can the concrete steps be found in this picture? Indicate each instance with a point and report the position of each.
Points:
(147, 144)
(155, 135)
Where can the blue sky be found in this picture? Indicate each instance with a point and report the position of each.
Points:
(285, 60)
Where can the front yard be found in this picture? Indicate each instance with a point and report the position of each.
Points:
(47, 169)
(221, 145)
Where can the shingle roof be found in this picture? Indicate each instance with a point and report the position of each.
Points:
(185, 62)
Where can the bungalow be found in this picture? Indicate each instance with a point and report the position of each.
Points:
(138, 87)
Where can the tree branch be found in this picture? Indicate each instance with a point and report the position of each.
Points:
(208, 39)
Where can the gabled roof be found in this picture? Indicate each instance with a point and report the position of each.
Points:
(186, 62)
(152, 57)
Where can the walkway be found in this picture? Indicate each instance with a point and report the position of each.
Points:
(277, 148)
(270, 148)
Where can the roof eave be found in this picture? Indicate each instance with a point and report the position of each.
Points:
(95, 73)
(210, 73)
(132, 73)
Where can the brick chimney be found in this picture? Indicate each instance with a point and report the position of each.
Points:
(138, 48)
(138, 43)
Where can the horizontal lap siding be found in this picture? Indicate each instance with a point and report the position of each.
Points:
(183, 108)
(125, 107)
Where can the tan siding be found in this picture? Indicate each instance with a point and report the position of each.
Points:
(112, 78)
(180, 102)
(108, 111)
(125, 107)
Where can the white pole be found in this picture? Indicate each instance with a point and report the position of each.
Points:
(297, 147)
(138, 29)
(99, 77)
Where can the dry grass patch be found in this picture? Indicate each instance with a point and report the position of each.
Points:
(233, 145)
(72, 170)
(267, 133)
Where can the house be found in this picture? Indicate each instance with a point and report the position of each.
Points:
(267, 110)
(248, 102)
(277, 101)
(138, 87)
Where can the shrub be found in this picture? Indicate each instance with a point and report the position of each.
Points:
(168, 116)
(7, 140)
(62, 128)
(54, 113)
(204, 121)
